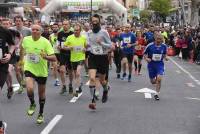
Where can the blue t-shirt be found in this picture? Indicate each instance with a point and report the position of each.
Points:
(156, 53)
(149, 36)
(127, 38)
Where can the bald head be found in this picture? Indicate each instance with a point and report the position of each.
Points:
(36, 31)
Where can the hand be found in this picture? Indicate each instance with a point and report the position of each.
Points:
(6, 58)
(99, 40)
(84, 50)
(166, 58)
(43, 54)
(148, 60)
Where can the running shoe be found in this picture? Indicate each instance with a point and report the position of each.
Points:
(57, 83)
(129, 78)
(21, 90)
(63, 90)
(10, 92)
(156, 97)
(3, 128)
(40, 119)
(123, 76)
(118, 76)
(105, 96)
(92, 106)
(31, 109)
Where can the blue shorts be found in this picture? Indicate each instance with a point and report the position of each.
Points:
(155, 69)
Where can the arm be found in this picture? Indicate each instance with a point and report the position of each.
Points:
(107, 42)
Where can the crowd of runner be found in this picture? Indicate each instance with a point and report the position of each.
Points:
(33, 50)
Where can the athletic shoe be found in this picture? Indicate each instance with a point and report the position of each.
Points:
(31, 109)
(10, 92)
(105, 96)
(40, 119)
(156, 97)
(92, 105)
(20, 90)
(129, 78)
(57, 83)
(3, 128)
(70, 89)
(63, 90)
(123, 76)
(118, 76)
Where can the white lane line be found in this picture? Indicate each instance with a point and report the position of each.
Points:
(190, 98)
(51, 124)
(190, 85)
(74, 99)
(147, 95)
(184, 70)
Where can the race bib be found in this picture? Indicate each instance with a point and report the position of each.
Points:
(1, 53)
(78, 49)
(127, 40)
(157, 57)
(62, 45)
(33, 58)
(138, 47)
(17, 51)
(97, 49)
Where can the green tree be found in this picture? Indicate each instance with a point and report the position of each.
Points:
(145, 15)
(161, 7)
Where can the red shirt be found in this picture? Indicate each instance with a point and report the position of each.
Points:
(140, 46)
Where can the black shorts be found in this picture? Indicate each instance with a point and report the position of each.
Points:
(87, 53)
(3, 78)
(14, 59)
(64, 60)
(129, 57)
(75, 64)
(140, 57)
(98, 62)
(39, 80)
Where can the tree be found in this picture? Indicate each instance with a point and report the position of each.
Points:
(145, 15)
(161, 7)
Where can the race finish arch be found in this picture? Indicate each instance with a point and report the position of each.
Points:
(114, 5)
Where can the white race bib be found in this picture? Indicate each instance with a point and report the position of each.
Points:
(33, 58)
(1, 53)
(97, 49)
(157, 57)
(127, 40)
(17, 51)
(78, 48)
(138, 47)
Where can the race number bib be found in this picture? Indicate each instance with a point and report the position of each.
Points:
(138, 47)
(1, 53)
(127, 40)
(157, 57)
(33, 58)
(62, 45)
(97, 49)
(17, 51)
(78, 48)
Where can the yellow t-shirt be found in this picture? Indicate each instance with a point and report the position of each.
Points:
(34, 63)
(78, 44)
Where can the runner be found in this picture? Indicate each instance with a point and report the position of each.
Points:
(6, 50)
(37, 50)
(98, 63)
(24, 31)
(154, 54)
(64, 57)
(76, 43)
(54, 42)
(128, 40)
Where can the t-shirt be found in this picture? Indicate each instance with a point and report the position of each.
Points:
(62, 36)
(149, 36)
(139, 48)
(54, 42)
(25, 31)
(78, 44)
(127, 38)
(33, 60)
(5, 40)
(156, 53)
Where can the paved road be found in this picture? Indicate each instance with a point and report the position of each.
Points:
(126, 112)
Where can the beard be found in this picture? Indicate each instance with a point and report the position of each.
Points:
(96, 28)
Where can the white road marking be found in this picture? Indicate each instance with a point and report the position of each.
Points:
(190, 85)
(74, 99)
(184, 70)
(190, 98)
(15, 87)
(147, 95)
(51, 124)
